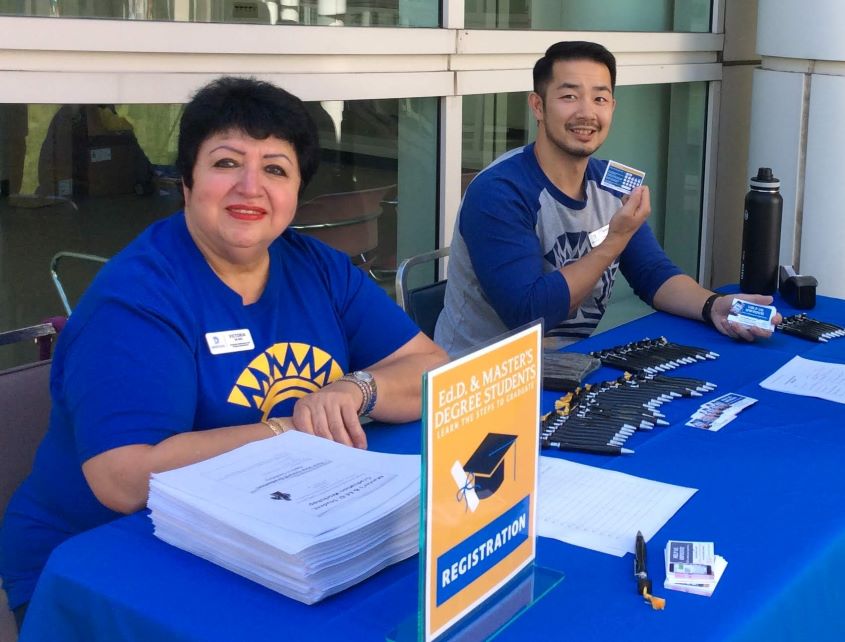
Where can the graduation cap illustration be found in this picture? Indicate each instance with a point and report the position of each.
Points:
(484, 471)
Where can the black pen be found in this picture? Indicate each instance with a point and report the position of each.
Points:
(587, 448)
(641, 573)
(596, 430)
(567, 438)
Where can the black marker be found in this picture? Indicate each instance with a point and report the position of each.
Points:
(579, 438)
(641, 573)
(602, 450)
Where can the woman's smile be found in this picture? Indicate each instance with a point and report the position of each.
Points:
(246, 212)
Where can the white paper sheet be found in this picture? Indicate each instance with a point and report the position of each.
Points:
(809, 378)
(602, 509)
(304, 516)
(327, 486)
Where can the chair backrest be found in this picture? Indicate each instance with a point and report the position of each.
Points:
(41, 334)
(424, 303)
(25, 408)
(90, 259)
(466, 179)
(348, 221)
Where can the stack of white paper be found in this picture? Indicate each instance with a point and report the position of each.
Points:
(302, 515)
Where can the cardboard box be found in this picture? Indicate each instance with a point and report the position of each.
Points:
(116, 165)
(82, 157)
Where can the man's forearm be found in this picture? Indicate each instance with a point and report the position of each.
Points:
(682, 296)
(582, 275)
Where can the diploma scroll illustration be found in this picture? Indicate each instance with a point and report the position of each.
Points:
(484, 471)
(466, 489)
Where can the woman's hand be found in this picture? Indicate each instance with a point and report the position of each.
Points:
(722, 308)
(332, 412)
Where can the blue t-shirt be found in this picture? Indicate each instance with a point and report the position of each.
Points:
(514, 232)
(138, 363)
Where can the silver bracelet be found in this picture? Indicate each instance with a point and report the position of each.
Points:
(366, 392)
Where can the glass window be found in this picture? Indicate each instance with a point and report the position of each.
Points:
(360, 13)
(374, 196)
(588, 15)
(659, 129)
(87, 179)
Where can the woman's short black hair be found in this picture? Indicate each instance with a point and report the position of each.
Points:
(571, 50)
(257, 108)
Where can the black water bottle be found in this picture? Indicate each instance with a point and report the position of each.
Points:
(758, 272)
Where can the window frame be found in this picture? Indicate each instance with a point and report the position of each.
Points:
(146, 62)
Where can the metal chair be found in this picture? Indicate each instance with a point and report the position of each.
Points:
(348, 221)
(8, 627)
(25, 408)
(424, 303)
(42, 334)
(54, 271)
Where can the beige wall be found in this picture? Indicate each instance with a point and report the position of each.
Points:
(797, 120)
(740, 59)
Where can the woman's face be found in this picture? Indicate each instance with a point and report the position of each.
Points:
(244, 194)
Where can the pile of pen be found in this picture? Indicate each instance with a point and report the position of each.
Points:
(599, 418)
(651, 356)
(808, 328)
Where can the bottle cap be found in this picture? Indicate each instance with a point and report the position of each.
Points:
(765, 179)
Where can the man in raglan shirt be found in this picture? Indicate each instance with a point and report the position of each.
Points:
(538, 236)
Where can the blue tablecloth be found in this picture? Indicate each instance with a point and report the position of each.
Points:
(771, 498)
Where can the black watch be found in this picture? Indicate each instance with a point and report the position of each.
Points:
(707, 309)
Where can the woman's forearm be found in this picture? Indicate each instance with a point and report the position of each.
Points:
(119, 478)
(399, 379)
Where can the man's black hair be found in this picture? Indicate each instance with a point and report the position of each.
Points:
(571, 50)
(256, 108)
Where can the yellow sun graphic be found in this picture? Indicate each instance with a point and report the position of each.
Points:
(283, 371)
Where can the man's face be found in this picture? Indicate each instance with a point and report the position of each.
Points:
(576, 112)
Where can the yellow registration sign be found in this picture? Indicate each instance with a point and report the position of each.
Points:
(481, 418)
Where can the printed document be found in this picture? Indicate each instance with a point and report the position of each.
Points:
(809, 378)
(602, 509)
(299, 514)
(324, 485)
(294, 492)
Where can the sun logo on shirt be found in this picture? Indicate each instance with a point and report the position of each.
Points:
(283, 371)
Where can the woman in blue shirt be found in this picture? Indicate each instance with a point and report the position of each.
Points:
(216, 327)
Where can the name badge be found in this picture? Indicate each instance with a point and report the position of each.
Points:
(229, 341)
(598, 236)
